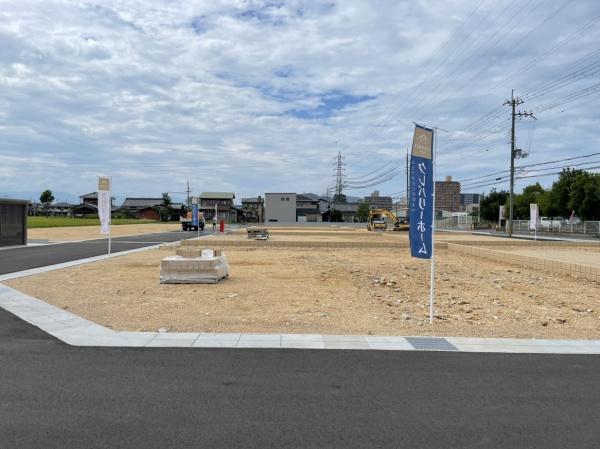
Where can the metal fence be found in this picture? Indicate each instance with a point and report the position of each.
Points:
(460, 223)
(560, 227)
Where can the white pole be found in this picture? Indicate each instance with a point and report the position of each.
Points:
(432, 281)
(109, 215)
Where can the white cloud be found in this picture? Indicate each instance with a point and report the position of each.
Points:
(221, 93)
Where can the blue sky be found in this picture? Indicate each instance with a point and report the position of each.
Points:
(256, 96)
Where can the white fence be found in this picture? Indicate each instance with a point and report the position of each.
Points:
(558, 226)
(460, 223)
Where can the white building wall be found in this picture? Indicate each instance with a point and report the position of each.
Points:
(280, 207)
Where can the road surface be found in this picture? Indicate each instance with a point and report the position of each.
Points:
(27, 257)
(54, 395)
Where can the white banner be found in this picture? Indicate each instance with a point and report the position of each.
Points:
(104, 204)
(501, 214)
(533, 216)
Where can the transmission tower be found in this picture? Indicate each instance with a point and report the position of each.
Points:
(339, 170)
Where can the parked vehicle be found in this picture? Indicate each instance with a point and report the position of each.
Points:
(186, 222)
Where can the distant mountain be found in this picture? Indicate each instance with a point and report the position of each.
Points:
(350, 199)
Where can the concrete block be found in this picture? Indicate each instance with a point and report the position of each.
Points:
(200, 270)
(189, 253)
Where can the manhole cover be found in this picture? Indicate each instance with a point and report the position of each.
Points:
(431, 343)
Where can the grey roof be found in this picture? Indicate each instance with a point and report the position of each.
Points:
(217, 195)
(89, 195)
(253, 200)
(62, 205)
(345, 207)
(141, 202)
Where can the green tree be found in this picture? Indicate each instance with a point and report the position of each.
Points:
(165, 211)
(46, 198)
(561, 193)
(336, 216)
(363, 211)
(531, 194)
(490, 204)
(584, 196)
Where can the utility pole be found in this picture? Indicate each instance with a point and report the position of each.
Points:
(189, 199)
(514, 152)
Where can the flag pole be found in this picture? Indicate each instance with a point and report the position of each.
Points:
(432, 274)
(109, 216)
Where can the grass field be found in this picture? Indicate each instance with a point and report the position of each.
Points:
(56, 222)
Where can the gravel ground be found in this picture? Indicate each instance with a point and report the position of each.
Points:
(586, 256)
(341, 291)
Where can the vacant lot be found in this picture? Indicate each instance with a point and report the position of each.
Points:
(56, 222)
(63, 234)
(341, 291)
(586, 256)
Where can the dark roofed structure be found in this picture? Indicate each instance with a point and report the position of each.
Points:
(140, 203)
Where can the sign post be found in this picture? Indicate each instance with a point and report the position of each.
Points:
(533, 219)
(105, 207)
(195, 216)
(422, 203)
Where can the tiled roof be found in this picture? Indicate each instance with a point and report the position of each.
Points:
(141, 202)
(217, 195)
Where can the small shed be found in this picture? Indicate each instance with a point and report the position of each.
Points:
(13, 222)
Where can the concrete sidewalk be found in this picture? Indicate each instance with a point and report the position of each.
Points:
(77, 331)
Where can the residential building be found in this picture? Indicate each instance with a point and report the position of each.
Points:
(253, 209)
(60, 209)
(447, 195)
(307, 208)
(89, 198)
(146, 208)
(349, 212)
(280, 207)
(467, 199)
(224, 201)
(379, 202)
(89, 205)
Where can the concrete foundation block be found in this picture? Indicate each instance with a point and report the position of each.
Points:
(199, 270)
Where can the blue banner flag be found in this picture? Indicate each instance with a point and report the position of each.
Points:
(194, 215)
(421, 193)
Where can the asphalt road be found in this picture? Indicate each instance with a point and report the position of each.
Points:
(57, 396)
(27, 257)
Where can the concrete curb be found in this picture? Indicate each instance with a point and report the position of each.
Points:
(77, 331)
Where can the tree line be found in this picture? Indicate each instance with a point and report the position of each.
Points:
(575, 191)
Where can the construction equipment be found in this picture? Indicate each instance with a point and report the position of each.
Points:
(376, 221)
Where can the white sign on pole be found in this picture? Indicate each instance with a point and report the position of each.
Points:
(533, 216)
(104, 206)
(501, 215)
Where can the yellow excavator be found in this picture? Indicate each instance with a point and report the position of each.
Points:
(377, 221)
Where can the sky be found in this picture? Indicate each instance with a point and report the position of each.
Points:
(260, 96)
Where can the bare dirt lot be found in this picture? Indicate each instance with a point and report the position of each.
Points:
(342, 291)
(93, 232)
(586, 256)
